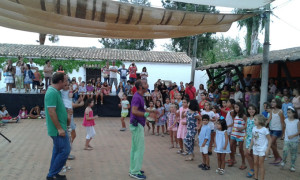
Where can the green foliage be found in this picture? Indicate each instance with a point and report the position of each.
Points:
(224, 49)
(205, 41)
(68, 65)
(134, 44)
(253, 24)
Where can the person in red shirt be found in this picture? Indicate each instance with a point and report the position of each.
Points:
(191, 90)
(132, 72)
(173, 92)
(133, 90)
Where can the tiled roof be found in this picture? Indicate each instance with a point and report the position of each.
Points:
(62, 52)
(290, 54)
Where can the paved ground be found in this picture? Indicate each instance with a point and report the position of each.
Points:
(28, 156)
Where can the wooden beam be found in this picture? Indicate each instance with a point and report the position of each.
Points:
(209, 74)
(224, 72)
(287, 73)
(279, 74)
(241, 77)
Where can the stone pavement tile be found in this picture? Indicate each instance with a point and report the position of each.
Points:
(28, 156)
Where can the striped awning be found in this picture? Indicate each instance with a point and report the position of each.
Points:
(104, 18)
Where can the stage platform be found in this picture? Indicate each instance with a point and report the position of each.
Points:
(14, 101)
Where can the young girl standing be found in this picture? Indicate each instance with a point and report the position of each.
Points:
(229, 115)
(238, 134)
(276, 123)
(252, 111)
(89, 123)
(151, 109)
(261, 143)
(224, 109)
(167, 110)
(291, 138)
(161, 119)
(172, 125)
(192, 119)
(222, 145)
(181, 132)
(125, 106)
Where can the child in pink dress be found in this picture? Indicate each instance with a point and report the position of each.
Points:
(181, 132)
(89, 123)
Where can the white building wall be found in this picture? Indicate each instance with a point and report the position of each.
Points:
(164, 71)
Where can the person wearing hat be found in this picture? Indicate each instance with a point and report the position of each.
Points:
(191, 90)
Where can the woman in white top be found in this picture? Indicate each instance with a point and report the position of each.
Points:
(19, 76)
(199, 92)
(276, 123)
(144, 74)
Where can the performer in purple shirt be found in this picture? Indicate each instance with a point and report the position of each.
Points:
(137, 122)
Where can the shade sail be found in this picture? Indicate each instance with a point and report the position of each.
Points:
(242, 4)
(104, 18)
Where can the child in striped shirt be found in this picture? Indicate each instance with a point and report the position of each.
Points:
(238, 134)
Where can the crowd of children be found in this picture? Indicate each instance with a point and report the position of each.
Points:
(35, 113)
(223, 128)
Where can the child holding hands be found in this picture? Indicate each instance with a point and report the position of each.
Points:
(261, 143)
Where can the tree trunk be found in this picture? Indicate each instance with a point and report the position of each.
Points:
(254, 42)
(42, 39)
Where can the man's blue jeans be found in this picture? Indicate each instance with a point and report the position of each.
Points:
(60, 153)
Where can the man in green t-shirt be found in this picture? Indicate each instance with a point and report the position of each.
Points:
(57, 119)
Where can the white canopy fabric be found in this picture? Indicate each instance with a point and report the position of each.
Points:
(110, 19)
(242, 4)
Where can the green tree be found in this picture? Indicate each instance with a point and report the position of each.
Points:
(136, 44)
(185, 44)
(253, 26)
(224, 49)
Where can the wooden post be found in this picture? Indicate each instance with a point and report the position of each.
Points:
(194, 59)
(265, 63)
(279, 75)
(288, 75)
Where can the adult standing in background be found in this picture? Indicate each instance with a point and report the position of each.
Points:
(123, 74)
(254, 97)
(132, 72)
(32, 65)
(238, 95)
(57, 120)
(199, 91)
(113, 75)
(138, 116)
(144, 73)
(9, 71)
(191, 90)
(48, 71)
(296, 101)
(106, 72)
(60, 69)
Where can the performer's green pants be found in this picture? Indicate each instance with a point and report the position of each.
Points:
(137, 148)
